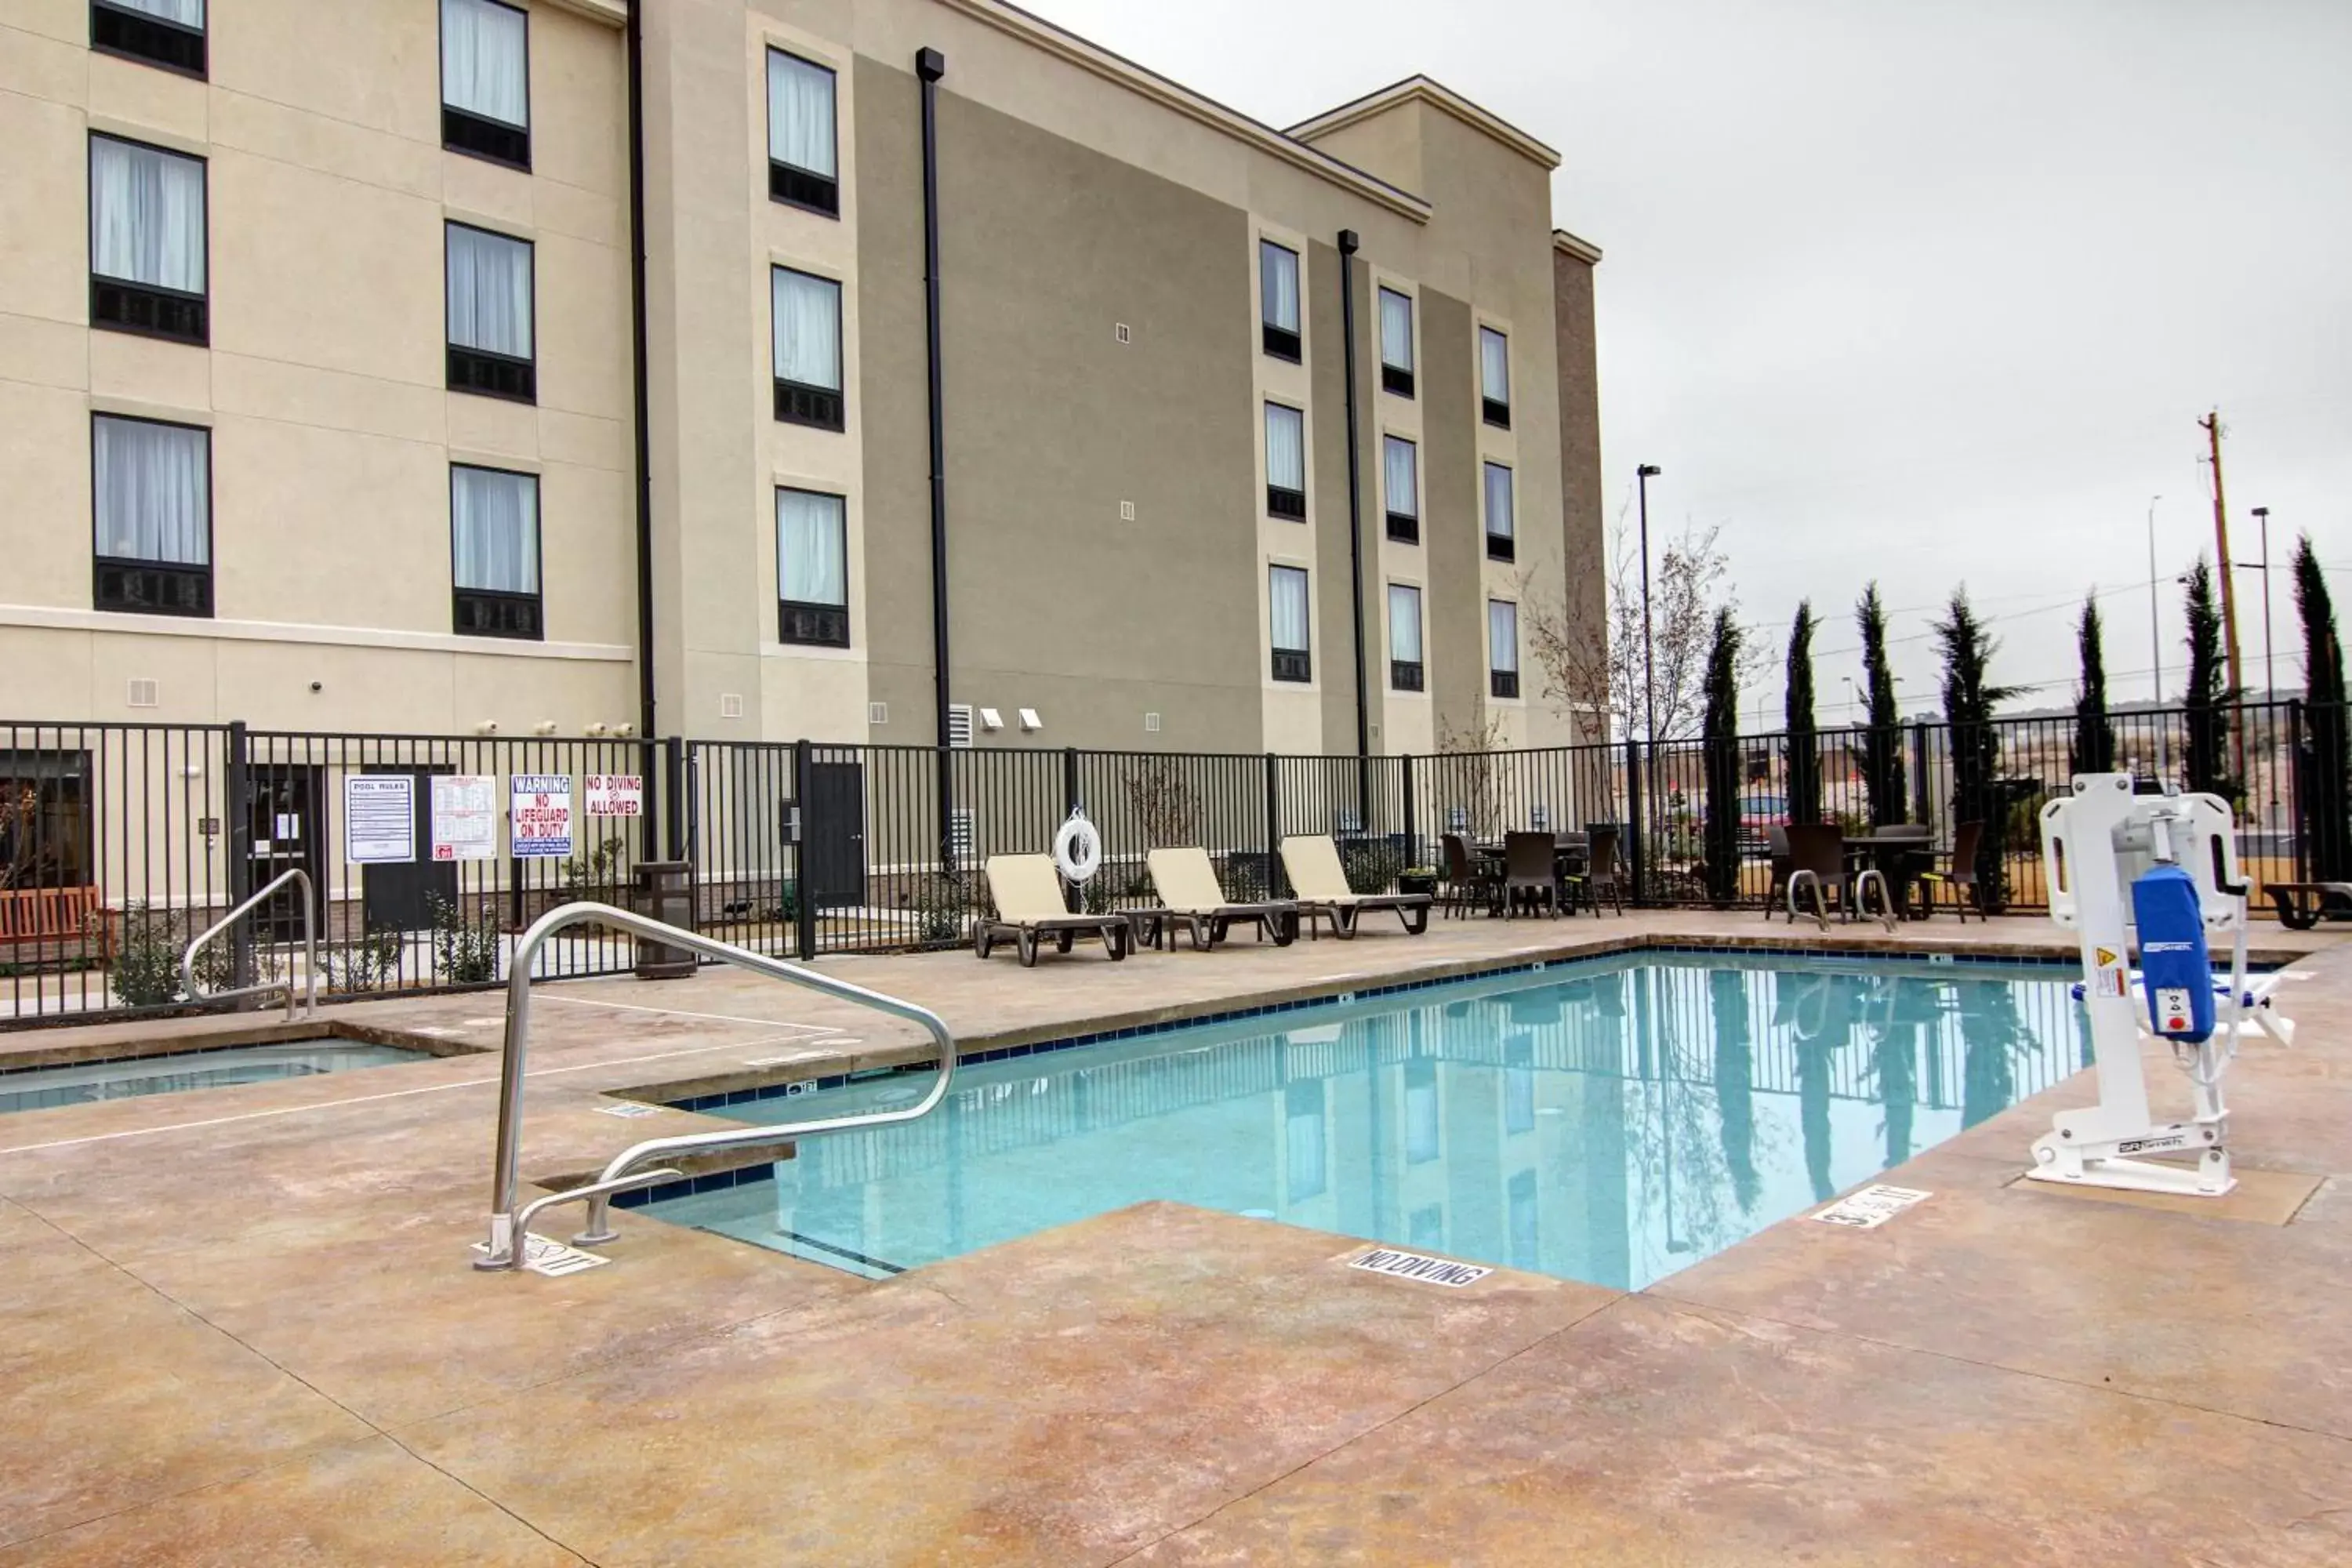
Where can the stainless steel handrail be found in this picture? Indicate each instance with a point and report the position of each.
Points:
(308, 995)
(506, 1250)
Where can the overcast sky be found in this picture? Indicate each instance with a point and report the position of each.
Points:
(1934, 290)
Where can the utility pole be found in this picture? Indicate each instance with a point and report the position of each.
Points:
(2212, 424)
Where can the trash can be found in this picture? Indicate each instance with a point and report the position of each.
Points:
(664, 892)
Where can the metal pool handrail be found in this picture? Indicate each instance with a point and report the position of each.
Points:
(507, 1224)
(308, 995)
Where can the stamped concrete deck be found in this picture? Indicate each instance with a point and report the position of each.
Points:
(236, 1327)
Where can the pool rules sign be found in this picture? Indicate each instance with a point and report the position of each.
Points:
(538, 807)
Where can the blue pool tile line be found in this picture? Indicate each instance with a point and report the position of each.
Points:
(686, 1187)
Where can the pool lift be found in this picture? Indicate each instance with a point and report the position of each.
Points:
(2165, 867)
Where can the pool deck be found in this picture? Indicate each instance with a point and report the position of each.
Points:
(238, 1327)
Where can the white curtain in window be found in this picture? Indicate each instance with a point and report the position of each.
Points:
(485, 60)
(494, 529)
(1403, 492)
(1286, 447)
(812, 548)
(187, 13)
(808, 328)
(799, 113)
(1287, 590)
(1404, 622)
(1498, 501)
(1277, 285)
(489, 293)
(1502, 637)
(1494, 365)
(1421, 1139)
(1396, 330)
(153, 494)
(146, 215)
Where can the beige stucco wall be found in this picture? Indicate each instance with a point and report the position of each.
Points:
(327, 189)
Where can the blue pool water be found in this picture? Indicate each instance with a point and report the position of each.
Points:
(38, 1088)
(1610, 1122)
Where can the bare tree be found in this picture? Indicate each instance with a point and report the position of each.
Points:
(1588, 669)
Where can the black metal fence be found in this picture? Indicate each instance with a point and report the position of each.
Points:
(428, 854)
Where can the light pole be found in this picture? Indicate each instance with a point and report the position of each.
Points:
(1642, 475)
(2155, 642)
(2270, 670)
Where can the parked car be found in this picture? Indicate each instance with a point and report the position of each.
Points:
(1758, 810)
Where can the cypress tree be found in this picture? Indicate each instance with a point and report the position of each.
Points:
(2324, 765)
(1881, 762)
(1804, 739)
(1970, 698)
(1721, 748)
(2207, 763)
(2094, 737)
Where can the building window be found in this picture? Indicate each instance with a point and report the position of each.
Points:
(1502, 531)
(494, 552)
(1285, 461)
(147, 241)
(1401, 477)
(1502, 647)
(1287, 614)
(151, 506)
(1305, 1148)
(802, 168)
(1423, 1135)
(1404, 638)
(486, 80)
(811, 568)
(1494, 377)
(1396, 342)
(167, 33)
(808, 349)
(1278, 300)
(490, 314)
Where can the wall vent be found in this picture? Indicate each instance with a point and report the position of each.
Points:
(1127, 512)
(877, 713)
(1120, 331)
(1151, 723)
(960, 726)
(730, 705)
(143, 692)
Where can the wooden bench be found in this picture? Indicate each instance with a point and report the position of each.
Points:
(75, 922)
(2301, 904)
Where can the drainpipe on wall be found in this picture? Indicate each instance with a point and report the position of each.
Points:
(641, 409)
(1347, 243)
(930, 66)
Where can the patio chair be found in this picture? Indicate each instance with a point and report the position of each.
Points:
(1322, 883)
(1468, 877)
(1192, 899)
(1958, 875)
(1603, 872)
(1776, 845)
(1817, 863)
(1027, 893)
(1531, 873)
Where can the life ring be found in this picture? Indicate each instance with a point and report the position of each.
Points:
(1077, 849)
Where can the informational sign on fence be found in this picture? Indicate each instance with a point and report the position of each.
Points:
(465, 816)
(379, 818)
(617, 795)
(541, 807)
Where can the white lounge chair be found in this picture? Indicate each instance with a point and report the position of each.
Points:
(1186, 881)
(1027, 893)
(1321, 884)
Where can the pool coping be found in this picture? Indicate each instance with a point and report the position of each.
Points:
(94, 1053)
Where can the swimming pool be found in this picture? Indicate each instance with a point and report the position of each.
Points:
(1610, 1122)
(127, 1077)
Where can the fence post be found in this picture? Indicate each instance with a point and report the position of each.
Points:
(1070, 801)
(673, 797)
(238, 802)
(1272, 830)
(1923, 792)
(803, 811)
(1411, 822)
(1637, 848)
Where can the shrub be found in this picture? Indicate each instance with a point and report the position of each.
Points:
(462, 954)
(941, 905)
(1372, 866)
(147, 966)
(370, 961)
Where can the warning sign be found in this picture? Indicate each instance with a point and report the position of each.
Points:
(1871, 1207)
(617, 795)
(541, 807)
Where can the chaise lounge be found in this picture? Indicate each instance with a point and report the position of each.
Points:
(1321, 884)
(1191, 897)
(1027, 893)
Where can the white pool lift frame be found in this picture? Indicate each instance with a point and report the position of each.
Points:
(2096, 842)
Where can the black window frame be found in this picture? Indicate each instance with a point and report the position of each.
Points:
(1494, 410)
(1281, 500)
(827, 626)
(1291, 665)
(1499, 546)
(485, 372)
(1402, 527)
(151, 40)
(1278, 341)
(156, 573)
(1395, 378)
(144, 310)
(791, 185)
(1408, 674)
(492, 604)
(798, 402)
(1502, 683)
(493, 141)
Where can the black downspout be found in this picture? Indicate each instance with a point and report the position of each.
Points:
(1347, 243)
(643, 410)
(930, 65)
